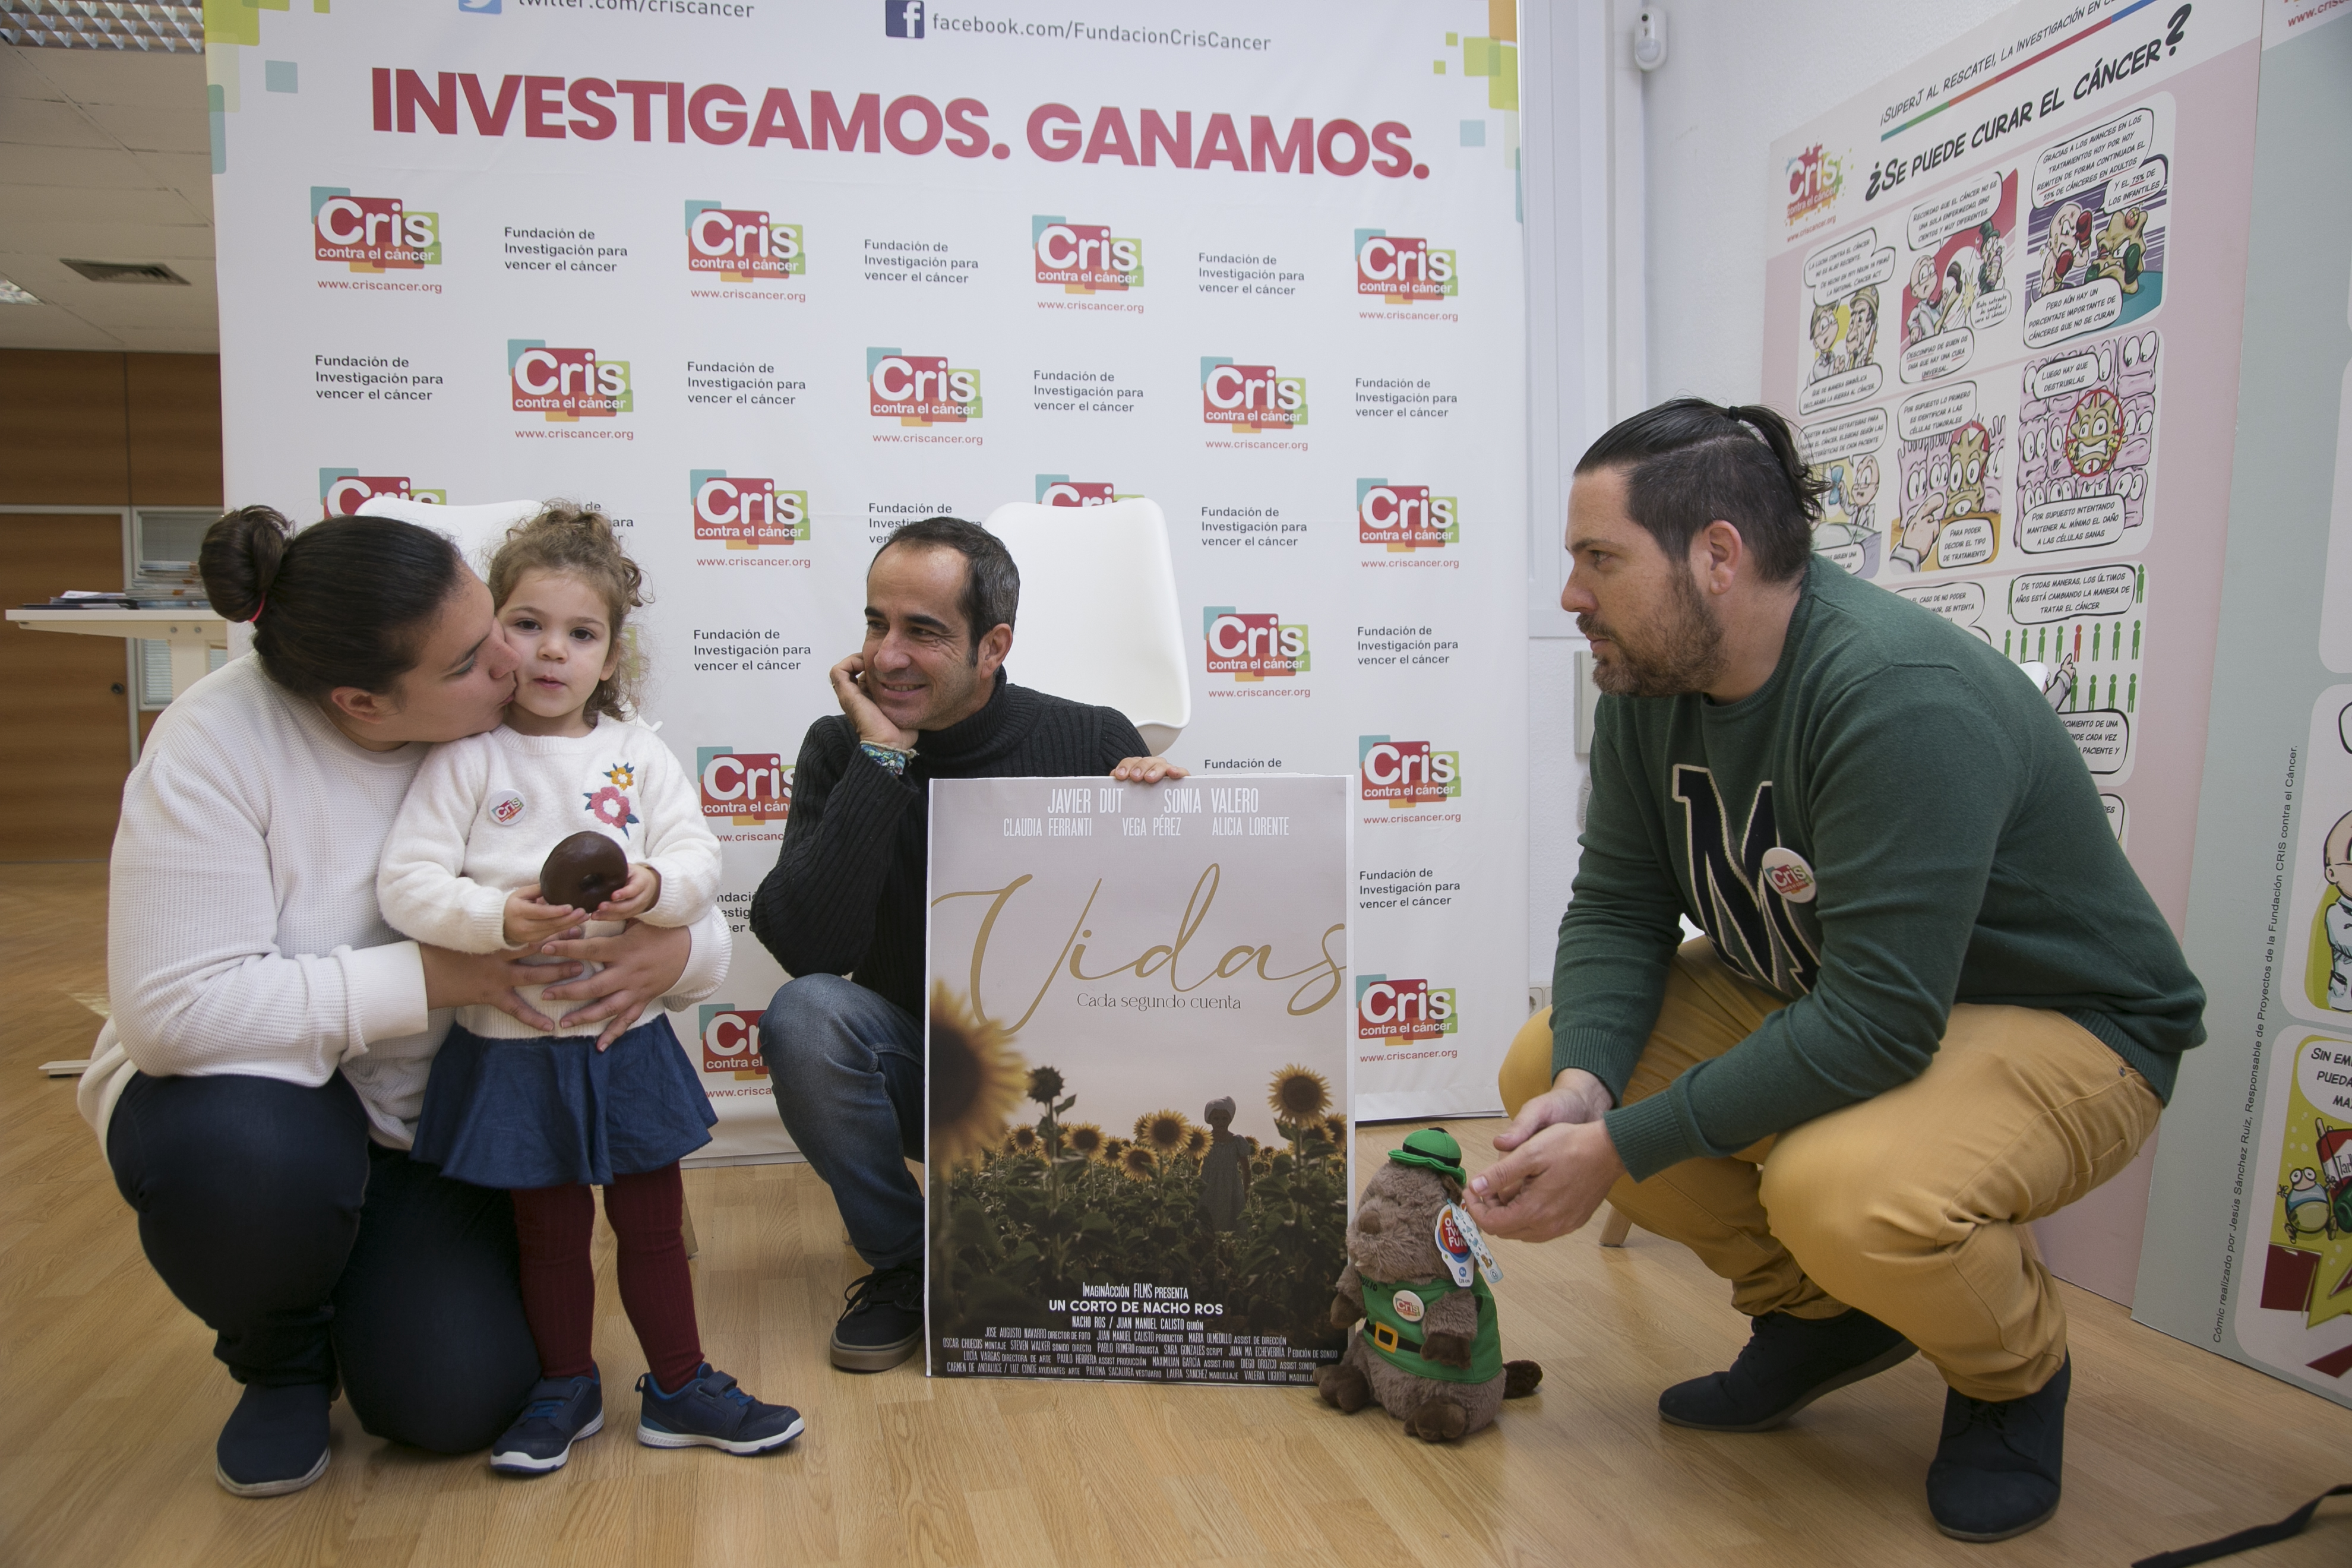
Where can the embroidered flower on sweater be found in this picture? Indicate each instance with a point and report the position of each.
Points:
(611, 807)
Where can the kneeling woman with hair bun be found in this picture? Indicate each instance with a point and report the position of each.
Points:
(256, 1089)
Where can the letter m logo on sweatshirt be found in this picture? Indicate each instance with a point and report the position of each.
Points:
(1751, 925)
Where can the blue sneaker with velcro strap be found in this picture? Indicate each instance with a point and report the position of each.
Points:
(712, 1411)
(558, 1412)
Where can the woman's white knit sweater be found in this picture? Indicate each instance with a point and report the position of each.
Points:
(484, 812)
(243, 934)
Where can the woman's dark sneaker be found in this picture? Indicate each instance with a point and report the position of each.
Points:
(882, 1323)
(712, 1411)
(275, 1441)
(1996, 1472)
(1787, 1364)
(558, 1412)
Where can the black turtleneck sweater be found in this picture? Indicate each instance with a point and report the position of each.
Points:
(845, 895)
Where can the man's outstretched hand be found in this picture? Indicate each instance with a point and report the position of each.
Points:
(1557, 1163)
(1147, 770)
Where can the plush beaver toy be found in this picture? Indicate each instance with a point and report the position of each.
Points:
(1429, 1350)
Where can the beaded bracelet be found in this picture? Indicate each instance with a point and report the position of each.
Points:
(889, 757)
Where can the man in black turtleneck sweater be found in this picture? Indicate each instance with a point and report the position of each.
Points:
(927, 698)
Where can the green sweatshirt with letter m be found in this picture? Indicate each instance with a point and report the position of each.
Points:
(1960, 852)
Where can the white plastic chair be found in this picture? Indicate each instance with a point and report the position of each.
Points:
(478, 530)
(1099, 622)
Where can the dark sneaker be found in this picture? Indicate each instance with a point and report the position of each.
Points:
(712, 1411)
(882, 1323)
(558, 1412)
(275, 1441)
(1996, 1472)
(1787, 1363)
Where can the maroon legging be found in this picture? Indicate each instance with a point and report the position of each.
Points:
(559, 1287)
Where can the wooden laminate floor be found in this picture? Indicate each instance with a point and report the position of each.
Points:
(110, 1401)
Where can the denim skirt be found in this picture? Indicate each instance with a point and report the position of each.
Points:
(551, 1112)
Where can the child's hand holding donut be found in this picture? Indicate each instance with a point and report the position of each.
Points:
(633, 897)
(531, 920)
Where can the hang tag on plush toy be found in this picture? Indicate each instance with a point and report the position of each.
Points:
(1487, 1265)
(1459, 1242)
(1453, 1231)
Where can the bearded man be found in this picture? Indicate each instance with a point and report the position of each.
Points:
(1933, 1002)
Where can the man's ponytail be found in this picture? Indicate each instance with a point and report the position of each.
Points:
(1688, 462)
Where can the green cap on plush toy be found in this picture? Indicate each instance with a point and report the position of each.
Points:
(1434, 1149)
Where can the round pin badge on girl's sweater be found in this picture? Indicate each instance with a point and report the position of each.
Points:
(1789, 875)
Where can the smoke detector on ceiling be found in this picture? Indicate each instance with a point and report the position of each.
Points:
(126, 273)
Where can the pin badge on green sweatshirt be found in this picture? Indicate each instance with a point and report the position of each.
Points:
(1789, 876)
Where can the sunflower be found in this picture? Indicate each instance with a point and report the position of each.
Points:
(1299, 1093)
(1083, 1138)
(1335, 1128)
(1023, 1139)
(1114, 1150)
(1138, 1163)
(1163, 1129)
(1196, 1140)
(976, 1080)
(1044, 1085)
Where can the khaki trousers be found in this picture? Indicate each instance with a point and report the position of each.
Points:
(1910, 1205)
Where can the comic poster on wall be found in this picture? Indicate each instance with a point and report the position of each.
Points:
(2002, 301)
(1141, 1032)
(1977, 311)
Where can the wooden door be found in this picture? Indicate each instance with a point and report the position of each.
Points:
(63, 705)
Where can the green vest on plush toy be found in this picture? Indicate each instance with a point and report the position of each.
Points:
(1392, 1314)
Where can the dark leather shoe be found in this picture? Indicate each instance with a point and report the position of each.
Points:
(1787, 1364)
(1996, 1471)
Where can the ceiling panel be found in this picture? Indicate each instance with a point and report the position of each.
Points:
(105, 156)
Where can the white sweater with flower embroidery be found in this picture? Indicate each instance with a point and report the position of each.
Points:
(484, 811)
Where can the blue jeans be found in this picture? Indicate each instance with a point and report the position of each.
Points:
(847, 1069)
(311, 1251)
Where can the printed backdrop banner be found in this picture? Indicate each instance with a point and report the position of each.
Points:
(1138, 1042)
(766, 281)
(2003, 301)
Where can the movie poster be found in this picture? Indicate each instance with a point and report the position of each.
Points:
(1141, 1017)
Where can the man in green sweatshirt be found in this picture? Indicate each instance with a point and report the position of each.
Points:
(1933, 1002)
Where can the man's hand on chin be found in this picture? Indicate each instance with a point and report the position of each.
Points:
(871, 723)
(1548, 1186)
(1147, 770)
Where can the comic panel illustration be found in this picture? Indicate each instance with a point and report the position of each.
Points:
(1844, 304)
(1849, 455)
(1958, 299)
(2079, 636)
(2308, 1270)
(1953, 463)
(2316, 960)
(2095, 231)
(2086, 446)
